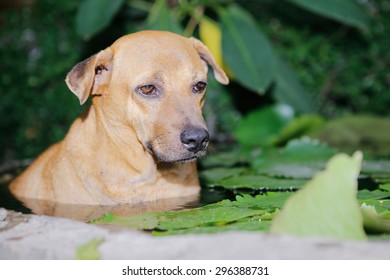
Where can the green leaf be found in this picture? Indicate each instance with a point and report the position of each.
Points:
(251, 224)
(202, 216)
(385, 187)
(345, 11)
(260, 127)
(161, 18)
(94, 15)
(246, 50)
(89, 250)
(289, 90)
(365, 195)
(269, 201)
(327, 206)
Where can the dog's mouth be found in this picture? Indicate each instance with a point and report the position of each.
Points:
(188, 159)
(172, 158)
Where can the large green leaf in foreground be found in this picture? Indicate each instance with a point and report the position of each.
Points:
(327, 206)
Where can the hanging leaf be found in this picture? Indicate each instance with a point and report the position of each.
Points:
(345, 11)
(211, 35)
(246, 50)
(161, 18)
(94, 15)
(289, 90)
(327, 205)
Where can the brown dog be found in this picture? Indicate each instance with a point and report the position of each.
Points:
(139, 138)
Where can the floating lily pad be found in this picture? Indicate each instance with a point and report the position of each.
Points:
(206, 215)
(250, 224)
(385, 187)
(365, 195)
(270, 201)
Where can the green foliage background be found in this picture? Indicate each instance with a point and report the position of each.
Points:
(341, 67)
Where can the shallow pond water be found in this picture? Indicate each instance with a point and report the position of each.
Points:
(89, 212)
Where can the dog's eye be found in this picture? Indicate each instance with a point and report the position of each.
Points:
(199, 87)
(148, 90)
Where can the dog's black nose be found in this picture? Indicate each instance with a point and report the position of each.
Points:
(195, 139)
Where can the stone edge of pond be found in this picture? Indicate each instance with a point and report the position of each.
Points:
(41, 237)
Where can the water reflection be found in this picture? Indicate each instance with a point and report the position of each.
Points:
(90, 212)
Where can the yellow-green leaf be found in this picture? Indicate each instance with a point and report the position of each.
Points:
(89, 251)
(211, 35)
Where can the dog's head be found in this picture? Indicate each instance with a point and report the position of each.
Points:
(154, 83)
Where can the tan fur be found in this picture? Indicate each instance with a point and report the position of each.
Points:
(126, 147)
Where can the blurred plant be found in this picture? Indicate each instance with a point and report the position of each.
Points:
(37, 46)
(233, 35)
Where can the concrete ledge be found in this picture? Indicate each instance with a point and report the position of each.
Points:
(41, 237)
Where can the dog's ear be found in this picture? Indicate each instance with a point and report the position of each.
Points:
(206, 56)
(89, 75)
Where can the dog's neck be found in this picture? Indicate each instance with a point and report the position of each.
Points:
(111, 144)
